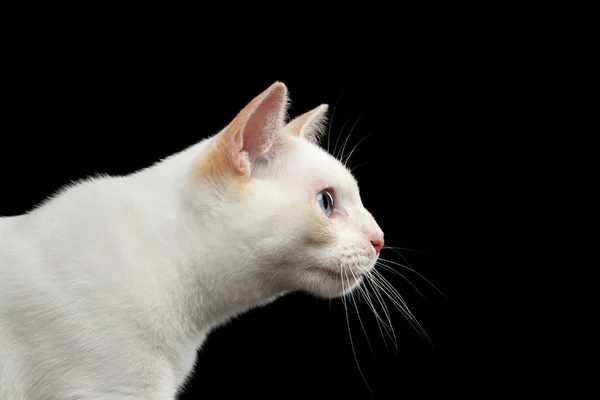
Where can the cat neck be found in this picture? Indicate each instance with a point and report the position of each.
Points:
(203, 276)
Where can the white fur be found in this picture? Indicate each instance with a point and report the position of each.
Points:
(109, 288)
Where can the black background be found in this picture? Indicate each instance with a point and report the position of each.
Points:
(75, 106)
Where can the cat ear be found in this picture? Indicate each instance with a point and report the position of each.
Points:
(310, 125)
(254, 131)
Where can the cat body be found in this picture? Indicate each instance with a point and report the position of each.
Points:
(109, 288)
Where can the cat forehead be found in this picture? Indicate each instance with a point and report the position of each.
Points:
(310, 164)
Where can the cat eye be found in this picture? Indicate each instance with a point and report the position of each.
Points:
(325, 200)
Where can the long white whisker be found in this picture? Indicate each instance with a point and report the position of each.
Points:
(389, 328)
(374, 309)
(359, 165)
(338, 137)
(408, 316)
(412, 270)
(358, 313)
(350, 333)
(331, 120)
(388, 268)
(392, 294)
(345, 162)
(348, 137)
(403, 258)
(397, 299)
(405, 248)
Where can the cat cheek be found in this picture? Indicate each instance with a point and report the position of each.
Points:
(320, 231)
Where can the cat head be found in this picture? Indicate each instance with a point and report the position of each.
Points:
(289, 213)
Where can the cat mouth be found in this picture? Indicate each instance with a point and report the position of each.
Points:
(348, 277)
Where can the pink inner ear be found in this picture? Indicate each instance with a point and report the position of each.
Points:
(310, 124)
(264, 123)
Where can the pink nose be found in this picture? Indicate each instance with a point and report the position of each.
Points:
(377, 244)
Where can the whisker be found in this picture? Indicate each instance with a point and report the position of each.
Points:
(331, 120)
(408, 316)
(338, 137)
(390, 291)
(359, 318)
(348, 137)
(412, 270)
(382, 292)
(361, 164)
(397, 300)
(345, 162)
(389, 328)
(350, 333)
(372, 307)
(404, 248)
(388, 268)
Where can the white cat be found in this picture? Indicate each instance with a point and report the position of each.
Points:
(108, 289)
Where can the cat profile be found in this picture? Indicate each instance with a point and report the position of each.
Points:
(109, 287)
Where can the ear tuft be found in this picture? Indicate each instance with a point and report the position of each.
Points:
(310, 125)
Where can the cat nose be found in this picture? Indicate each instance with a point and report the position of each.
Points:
(377, 243)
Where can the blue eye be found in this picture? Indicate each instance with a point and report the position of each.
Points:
(325, 200)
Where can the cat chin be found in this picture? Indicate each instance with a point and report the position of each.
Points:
(328, 284)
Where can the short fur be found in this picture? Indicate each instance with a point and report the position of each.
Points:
(109, 288)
